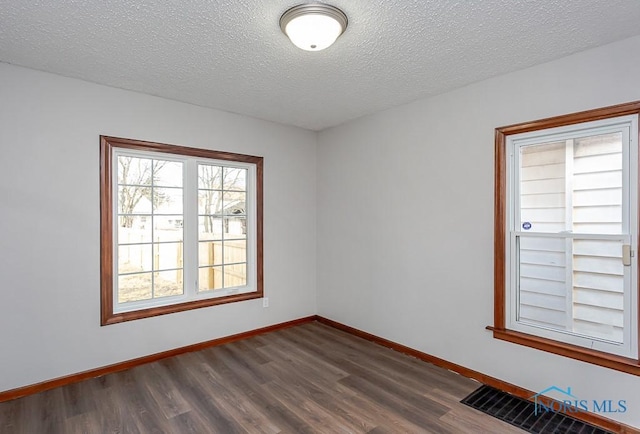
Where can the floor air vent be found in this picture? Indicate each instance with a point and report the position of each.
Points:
(521, 413)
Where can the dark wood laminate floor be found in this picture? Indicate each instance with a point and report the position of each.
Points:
(305, 379)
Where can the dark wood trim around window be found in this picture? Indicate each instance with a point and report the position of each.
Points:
(107, 315)
(631, 366)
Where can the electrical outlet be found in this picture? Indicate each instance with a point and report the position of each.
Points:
(265, 302)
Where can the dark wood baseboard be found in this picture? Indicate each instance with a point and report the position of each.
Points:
(591, 418)
(469, 373)
(98, 372)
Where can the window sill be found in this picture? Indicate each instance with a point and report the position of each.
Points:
(180, 307)
(618, 363)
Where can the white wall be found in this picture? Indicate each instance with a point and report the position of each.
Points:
(427, 282)
(49, 223)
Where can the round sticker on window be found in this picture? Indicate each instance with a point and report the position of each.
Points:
(526, 226)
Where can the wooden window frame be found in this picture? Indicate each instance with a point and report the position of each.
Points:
(107, 145)
(619, 363)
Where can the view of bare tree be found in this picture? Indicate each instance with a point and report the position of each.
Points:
(210, 179)
(138, 175)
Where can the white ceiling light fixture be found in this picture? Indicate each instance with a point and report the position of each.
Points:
(314, 26)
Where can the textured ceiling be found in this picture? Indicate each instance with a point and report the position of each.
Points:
(231, 54)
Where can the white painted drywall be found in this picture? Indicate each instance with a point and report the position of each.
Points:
(49, 223)
(405, 219)
(404, 210)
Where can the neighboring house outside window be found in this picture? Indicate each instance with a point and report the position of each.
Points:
(181, 228)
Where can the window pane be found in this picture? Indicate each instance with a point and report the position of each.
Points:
(576, 286)
(210, 254)
(209, 202)
(134, 200)
(134, 229)
(134, 287)
(235, 227)
(234, 203)
(598, 289)
(209, 228)
(235, 275)
(210, 278)
(597, 184)
(167, 228)
(209, 177)
(134, 171)
(573, 185)
(542, 187)
(134, 258)
(167, 283)
(167, 200)
(235, 179)
(601, 144)
(543, 282)
(167, 256)
(167, 173)
(235, 251)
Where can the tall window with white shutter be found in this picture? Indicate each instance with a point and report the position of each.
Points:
(569, 217)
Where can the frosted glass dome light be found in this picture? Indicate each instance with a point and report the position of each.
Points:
(313, 27)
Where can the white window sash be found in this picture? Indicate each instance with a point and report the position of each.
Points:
(190, 231)
(629, 128)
